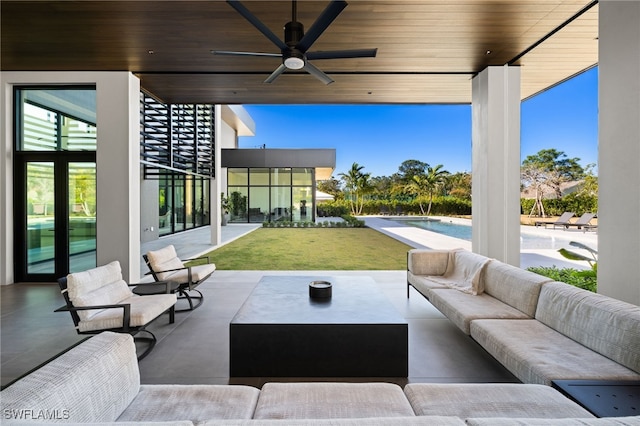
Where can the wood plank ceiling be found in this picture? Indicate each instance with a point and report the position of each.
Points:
(428, 50)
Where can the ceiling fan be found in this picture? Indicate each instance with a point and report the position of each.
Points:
(294, 49)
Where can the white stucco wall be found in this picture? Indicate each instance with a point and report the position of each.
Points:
(118, 164)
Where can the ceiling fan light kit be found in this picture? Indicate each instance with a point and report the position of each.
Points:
(293, 50)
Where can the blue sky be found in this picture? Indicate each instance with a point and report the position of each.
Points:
(381, 137)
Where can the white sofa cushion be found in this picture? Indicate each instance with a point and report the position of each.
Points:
(536, 353)
(427, 262)
(93, 382)
(462, 308)
(98, 286)
(331, 401)
(605, 421)
(606, 325)
(196, 403)
(514, 286)
(490, 400)
(368, 421)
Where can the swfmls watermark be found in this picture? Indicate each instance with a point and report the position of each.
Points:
(35, 414)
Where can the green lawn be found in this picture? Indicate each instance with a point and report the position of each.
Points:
(312, 249)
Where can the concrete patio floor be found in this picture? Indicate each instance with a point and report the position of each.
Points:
(195, 348)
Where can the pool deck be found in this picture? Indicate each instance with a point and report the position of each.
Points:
(422, 238)
(196, 242)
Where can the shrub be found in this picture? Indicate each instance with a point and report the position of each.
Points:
(570, 276)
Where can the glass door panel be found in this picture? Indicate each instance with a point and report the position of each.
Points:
(82, 216)
(41, 220)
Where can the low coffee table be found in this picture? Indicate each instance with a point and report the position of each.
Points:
(281, 332)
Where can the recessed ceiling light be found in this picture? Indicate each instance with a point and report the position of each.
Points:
(488, 52)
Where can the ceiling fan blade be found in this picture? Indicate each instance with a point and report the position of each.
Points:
(231, 53)
(239, 7)
(275, 74)
(317, 73)
(343, 54)
(324, 20)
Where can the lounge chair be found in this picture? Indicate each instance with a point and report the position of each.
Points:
(99, 300)
(563, 220)
(583, 222)
(165, 265)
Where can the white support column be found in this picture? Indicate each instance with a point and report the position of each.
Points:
(496, 163)
(216, 186)
(619, 150)
(118, 172)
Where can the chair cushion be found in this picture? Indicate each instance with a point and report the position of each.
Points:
(163, 260)
(93, 382)
(198, 273)
(98, 286)
(143, 310)
(196, 403)
(331, 401)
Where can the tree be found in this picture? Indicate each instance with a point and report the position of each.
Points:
(330, 186)
(410, 168)
(534, 176)
(555, 167)
(357, 184)
(426, 185)
(590, 186)
(459, 185)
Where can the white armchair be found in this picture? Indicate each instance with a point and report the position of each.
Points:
(165, 265)
(99, 299)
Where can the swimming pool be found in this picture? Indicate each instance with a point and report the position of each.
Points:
(463, 232)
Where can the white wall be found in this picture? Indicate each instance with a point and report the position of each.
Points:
(118, 164)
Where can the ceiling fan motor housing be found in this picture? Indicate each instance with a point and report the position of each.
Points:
(293, 33)
(293, 58)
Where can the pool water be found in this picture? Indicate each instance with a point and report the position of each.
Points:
(463, 232)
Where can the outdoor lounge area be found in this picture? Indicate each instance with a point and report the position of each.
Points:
(196, 349)
(86, 85)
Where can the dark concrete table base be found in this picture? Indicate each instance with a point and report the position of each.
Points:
(281, 332)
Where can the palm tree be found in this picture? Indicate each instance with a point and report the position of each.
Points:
(435, 179)
(427, 185)
(352, 183)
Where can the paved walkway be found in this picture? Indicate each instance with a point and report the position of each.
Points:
(197, 241)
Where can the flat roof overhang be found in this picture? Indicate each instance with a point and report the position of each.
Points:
(323, 160)
(428, 50)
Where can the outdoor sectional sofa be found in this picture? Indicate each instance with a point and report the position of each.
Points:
(540, 330)
(98, 381)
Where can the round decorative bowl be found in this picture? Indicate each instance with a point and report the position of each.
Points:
(320, 289)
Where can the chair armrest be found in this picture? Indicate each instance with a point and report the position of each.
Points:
(206, 258)
(126, 315)
(168, 270)
(167, 285)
